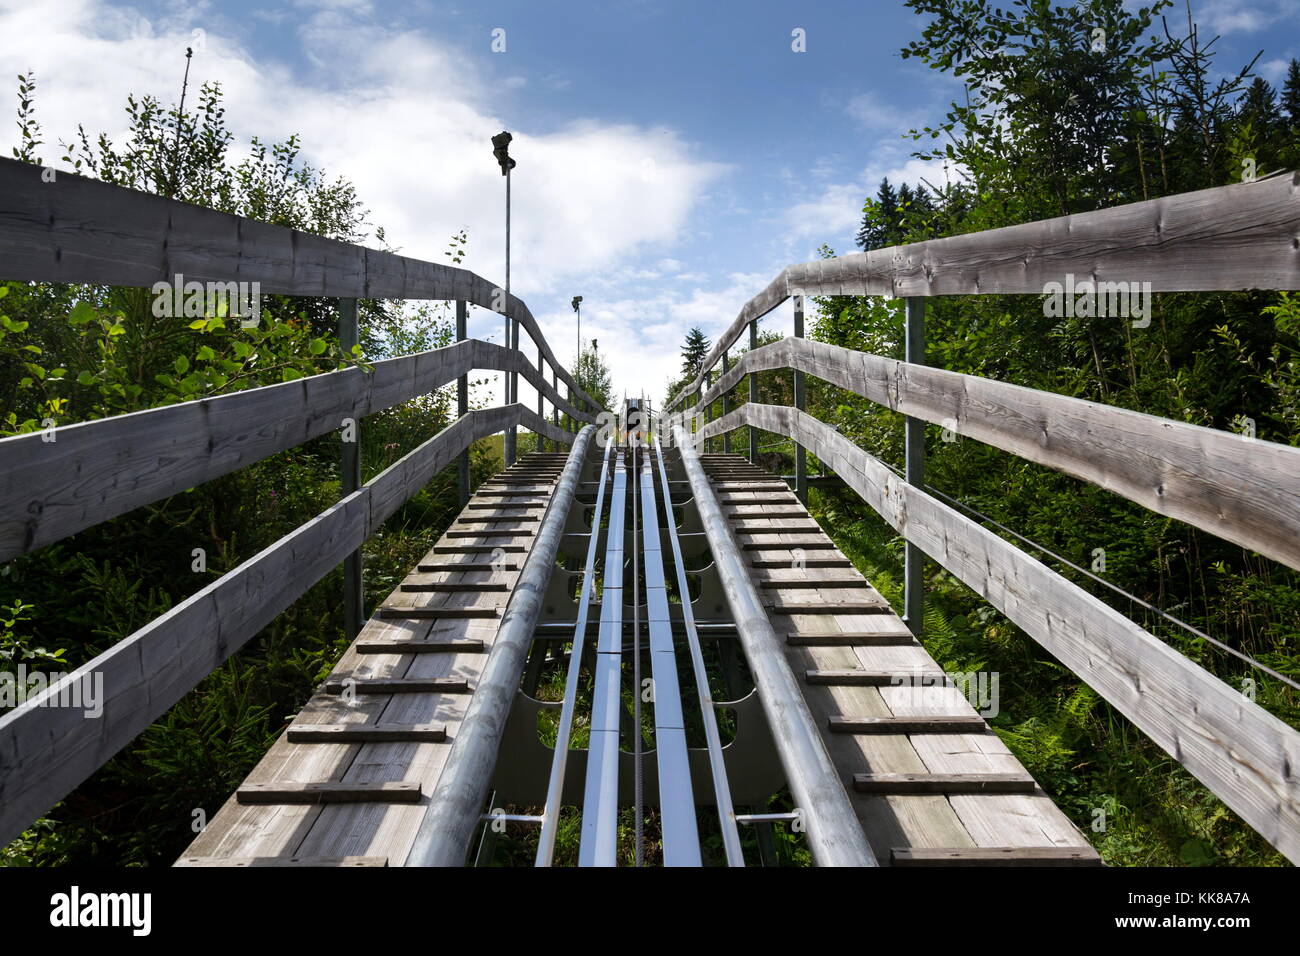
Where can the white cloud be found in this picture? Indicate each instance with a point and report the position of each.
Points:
(1274, 71)
(1244, 16)
(874, 111)
(837, 209)
(408, 122)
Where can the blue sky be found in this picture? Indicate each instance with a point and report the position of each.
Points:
(673, 157)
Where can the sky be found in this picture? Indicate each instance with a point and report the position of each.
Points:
(672, 157)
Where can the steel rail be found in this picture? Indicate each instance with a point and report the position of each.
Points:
(599, 842)
(681, 834)
(717, 764)
(559, 763)
(454, 807)
(638, 749)
(834, 834)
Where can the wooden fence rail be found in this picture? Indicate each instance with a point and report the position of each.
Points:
(61, 481)
(80, 230)
(1244, 490)
(47, 750)
(1244, 236)
(1245, 755)
(93, 471)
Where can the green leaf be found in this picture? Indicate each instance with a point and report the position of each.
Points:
(85, 378)
(182, 365)
(317, 346)
(290, 374)
(199, 324)
(206, 354)
(82, 313)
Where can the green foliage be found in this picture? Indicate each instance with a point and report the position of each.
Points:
(1055, 123)
(70, 354)
(592, 375)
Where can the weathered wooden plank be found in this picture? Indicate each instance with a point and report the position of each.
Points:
(388, 791)
(1246, 756)
(356, 733)
(859, 677)
(493, 533)
(46, 751)
(397, 685)
(837, 607)
(995, 856)
(369, 829)
(806, 562)
(495, 505)
(1242, 489)
(911, 783)
(482, 519)
(1213, 240)
(399, 646)
(899, 637)
(478, 549)
(755, 529)
(81, 230)
(813, 583)
(815, 544)
(389, 612)
(906, 725)
(281, 861)
(93, 471)
(452, 587)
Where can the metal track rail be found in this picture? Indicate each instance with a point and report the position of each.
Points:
(834, 834)
(555, 788)
(717, 765)
(681, 836)
(453, 813)
(599, 842)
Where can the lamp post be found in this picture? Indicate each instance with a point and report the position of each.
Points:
(577, 307)
(500, 149)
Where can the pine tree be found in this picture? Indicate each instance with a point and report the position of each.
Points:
(879, 219)
(1258, 106)
(906, 208)
(592, 374)
(919, 221)
(1291, 96)
(694, 350)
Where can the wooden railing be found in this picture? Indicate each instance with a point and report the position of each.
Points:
(1242, 489)
(76, 230)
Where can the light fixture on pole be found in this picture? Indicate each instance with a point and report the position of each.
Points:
(500, 149)
(577, 307)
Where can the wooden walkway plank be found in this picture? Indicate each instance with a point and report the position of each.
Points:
(428, 649)
(878, 643)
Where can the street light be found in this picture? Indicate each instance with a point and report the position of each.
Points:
(500, 149)
(577, 307)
